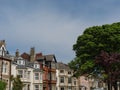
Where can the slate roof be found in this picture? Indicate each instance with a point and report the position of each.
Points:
(27, 64)
(37, 70)
(61, 65)
(21, 67)
(25, 56)
(50, 57)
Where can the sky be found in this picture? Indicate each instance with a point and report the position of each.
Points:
(52, 26)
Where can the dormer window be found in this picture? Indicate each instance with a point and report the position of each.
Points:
(2, 50)
(69, 72)
(21, 62)
(36, 66)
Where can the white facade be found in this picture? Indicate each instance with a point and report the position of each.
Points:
(5, 64)
(30, 75)
(65, 79)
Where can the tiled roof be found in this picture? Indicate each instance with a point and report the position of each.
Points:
(61, 65)
(21, 67)
(47, 58)
(25, 56)
(37, 70)
(38, 55)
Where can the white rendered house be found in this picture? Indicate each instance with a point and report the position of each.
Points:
(29, 72)
(65, 79)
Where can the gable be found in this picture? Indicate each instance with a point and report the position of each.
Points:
(3, 50)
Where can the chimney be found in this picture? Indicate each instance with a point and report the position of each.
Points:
(2, 42)
(17, 53)
(32, 54)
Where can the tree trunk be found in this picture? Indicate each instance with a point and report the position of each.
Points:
(115, 86)
(109, 86)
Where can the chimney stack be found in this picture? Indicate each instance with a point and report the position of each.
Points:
(2, 42)
(32, 54)
(17, 53)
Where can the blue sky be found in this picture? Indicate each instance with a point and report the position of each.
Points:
(52, 26)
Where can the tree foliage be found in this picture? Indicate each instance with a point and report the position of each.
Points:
(17, 83)
(3, 85)
(110, 63)
(91, 43)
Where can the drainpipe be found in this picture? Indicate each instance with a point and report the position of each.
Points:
(2, 63)
(50, 77)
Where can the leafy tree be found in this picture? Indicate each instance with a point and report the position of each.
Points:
(3, 85)
(110, 63)
(91, 43)
(17, 83)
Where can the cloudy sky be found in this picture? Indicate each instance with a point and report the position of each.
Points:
(52, 26)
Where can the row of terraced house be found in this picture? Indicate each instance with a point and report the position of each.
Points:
(39, 72)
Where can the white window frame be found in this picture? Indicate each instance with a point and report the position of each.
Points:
(69, 80)
(4, 68)
(36, 88)
(61, 71)
(36, 76)
(20, 73)
(62, 88)
(36, 65)
(61, 79)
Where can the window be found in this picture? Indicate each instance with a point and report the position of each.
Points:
(69, 88)
(61, 79)
(40, 76)
(28, 74)
(20, 73)
(69, 72)
(21, 62)
(41, 87)
(62, 88)
(25, 87)
(74, 82)
(53, 76)
(69, 80)
(36, 76)
(61, 71)
(36, 87)
(53, 65)
(25, 74)
(36, 65)
(4, 68)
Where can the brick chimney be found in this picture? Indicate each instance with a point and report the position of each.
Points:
(32, 54)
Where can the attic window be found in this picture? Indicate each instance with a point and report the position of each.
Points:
(36, 65)
(21, 62)
(69, 72)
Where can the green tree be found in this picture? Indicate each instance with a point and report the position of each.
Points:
(17, 83)
(3, 85)
(91, 43)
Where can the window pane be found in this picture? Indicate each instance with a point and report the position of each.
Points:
(61, 71)
(69, 80)
(36, 76)
(62, 79)
(62, 88)
(36, 87)
(20, 73)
